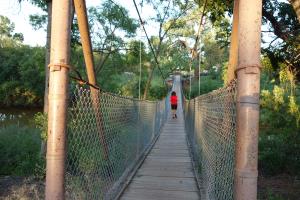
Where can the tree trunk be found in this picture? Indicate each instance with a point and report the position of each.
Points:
(296, 6)
(233, 54)
(148, 84)
(47, 62)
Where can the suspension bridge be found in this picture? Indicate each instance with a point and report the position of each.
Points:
(167, 171)
(114, 147)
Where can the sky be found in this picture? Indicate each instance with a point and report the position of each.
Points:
(19, 14)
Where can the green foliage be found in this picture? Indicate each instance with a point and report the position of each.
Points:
(271, 196)
(7, 36)
(207, 85)
(19, 150)
(22, 75)
(279, 149)
(41, 123)
(157, 90)
(214, 55)
(106, 21)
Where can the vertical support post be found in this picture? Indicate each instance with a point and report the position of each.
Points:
(140, 70)
(83, 25)
(139, 124)
(154, 122)
(80, 8)
(190, 81)
(234, 41)
(58, 99)
(199, 74)
(248, 75)
(196, 123)
(47, 60)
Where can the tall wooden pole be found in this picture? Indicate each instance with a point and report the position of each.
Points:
(248, 76)
(58, 99)
(80, 8)
(233, 54)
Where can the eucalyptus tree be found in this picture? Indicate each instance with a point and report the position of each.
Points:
(7, 35)
(38, 22)
(280, 18)
(111, 28)
(164, 11)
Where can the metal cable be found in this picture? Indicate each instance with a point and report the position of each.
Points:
(149, 42)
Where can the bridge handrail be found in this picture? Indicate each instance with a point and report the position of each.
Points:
(211, 130)
(100, 157)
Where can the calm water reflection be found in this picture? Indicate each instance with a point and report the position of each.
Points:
(17, 116)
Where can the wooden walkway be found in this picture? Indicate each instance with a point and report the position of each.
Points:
(167, 172)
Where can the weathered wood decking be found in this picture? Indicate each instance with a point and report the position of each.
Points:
(167, 172)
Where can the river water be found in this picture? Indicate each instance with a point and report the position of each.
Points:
(18, 116)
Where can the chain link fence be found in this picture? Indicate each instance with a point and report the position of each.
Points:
(107, 136)
(211, 128)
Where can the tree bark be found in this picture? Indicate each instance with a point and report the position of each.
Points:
(296, 6)
(148, 83)
(276, 25)
(233, 54)
(47, 62)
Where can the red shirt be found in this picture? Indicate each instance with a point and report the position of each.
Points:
(173, 100)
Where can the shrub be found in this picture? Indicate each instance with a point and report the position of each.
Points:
(19, 150)
(279, 144)
(207, 84)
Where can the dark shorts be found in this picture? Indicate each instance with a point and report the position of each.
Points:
(174, 107)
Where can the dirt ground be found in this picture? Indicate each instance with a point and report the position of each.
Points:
(16, 188)
(281, 187)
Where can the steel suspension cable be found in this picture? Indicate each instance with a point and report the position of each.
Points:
(194, 49)
(149, 42)
(140, 70)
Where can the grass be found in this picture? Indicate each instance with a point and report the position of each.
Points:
(19, 150)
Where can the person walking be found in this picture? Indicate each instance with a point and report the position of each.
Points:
(173, 100)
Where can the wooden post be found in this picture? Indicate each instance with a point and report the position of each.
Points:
(80, 8)
(58, 99)
(233, 54)
(248, 76)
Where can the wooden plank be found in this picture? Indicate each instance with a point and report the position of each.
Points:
(167, 147)
(142, 194)
(168, 167)
(172, 137)
(172, 140)
(169, 151)
(164, 183)
(170, 146)
(168, 154)
(169, 160)
(172, 134)
(167, 164)
(162, 143)
(167, 172)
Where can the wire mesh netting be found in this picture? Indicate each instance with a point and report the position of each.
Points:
(107, 136)
(211, 128)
